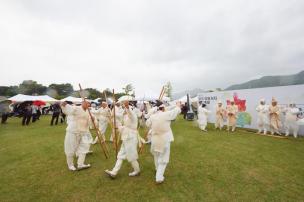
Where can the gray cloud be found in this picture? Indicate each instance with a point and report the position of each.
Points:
(204, 44)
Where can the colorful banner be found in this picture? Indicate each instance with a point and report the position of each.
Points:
(247, 100)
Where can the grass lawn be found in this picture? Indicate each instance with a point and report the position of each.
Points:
(211, 166)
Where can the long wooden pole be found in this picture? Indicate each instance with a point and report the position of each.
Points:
(161, 93)
(114, 124)
(100, 138)
(110, 120)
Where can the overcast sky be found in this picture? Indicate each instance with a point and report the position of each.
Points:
(194, 44)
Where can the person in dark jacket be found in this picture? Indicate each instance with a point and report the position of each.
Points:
(27, 114)
(184, 110)
(56, 114)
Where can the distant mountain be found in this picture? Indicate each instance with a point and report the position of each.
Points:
(271, 81)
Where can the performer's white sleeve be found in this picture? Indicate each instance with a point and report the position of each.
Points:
(68, 109)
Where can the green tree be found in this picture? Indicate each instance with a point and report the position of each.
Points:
(93, 93)
(8, 91)
(169, 90)
(60, 91)
(30, 87)
(128, 89)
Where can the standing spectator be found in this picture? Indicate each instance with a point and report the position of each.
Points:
(34, 113)
(38, 113)
(185, 110)
(4, 118)
(4, 111)
(56, 112)
(27, 114)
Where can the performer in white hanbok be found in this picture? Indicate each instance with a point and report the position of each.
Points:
(220, 113)
(232, 111)
(202, 117)
(78, 137)
(130, 140)
(291, 120)
(151, 111)
(274, 114)
(263, 116)
(162, 137)
(103, 115)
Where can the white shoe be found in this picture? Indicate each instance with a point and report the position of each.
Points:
(134, 173)
(84, 166)
(72, 168)
(110, 174)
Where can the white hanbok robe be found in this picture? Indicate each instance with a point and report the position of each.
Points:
(219, 117)
(162, 136)
(263, 117)
(103, 117)
(202, 117)
(291, 121)
(129, 137)
(78, 137)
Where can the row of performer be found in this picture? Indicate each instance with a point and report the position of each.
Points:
(125, 119)
(268, 117)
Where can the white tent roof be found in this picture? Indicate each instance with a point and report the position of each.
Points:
(147, 97)
(109, 100)
(46, 98)
(23, 98)
(72, 99)
(125, 97)
(184, 99)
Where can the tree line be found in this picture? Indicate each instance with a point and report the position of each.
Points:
(59, 91)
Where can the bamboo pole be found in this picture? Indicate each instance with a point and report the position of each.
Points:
(100, 138)
(115, 139)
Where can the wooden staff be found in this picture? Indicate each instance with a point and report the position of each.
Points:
(115, 139)
(102, 143)
(110, 120)
(162, 92)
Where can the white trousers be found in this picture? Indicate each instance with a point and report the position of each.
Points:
(161, 160)
(118, 164)
(292, 126)
(103, 128)
(128, 149)
(76, 144)
(219, 123)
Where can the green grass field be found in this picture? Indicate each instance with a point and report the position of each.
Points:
(211, 166)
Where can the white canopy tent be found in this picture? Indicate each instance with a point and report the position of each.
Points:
(23, 98)
(184, 99)
(147, 97)
(126, 97)
(109, 100)
(75, 100)
(150, 97)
